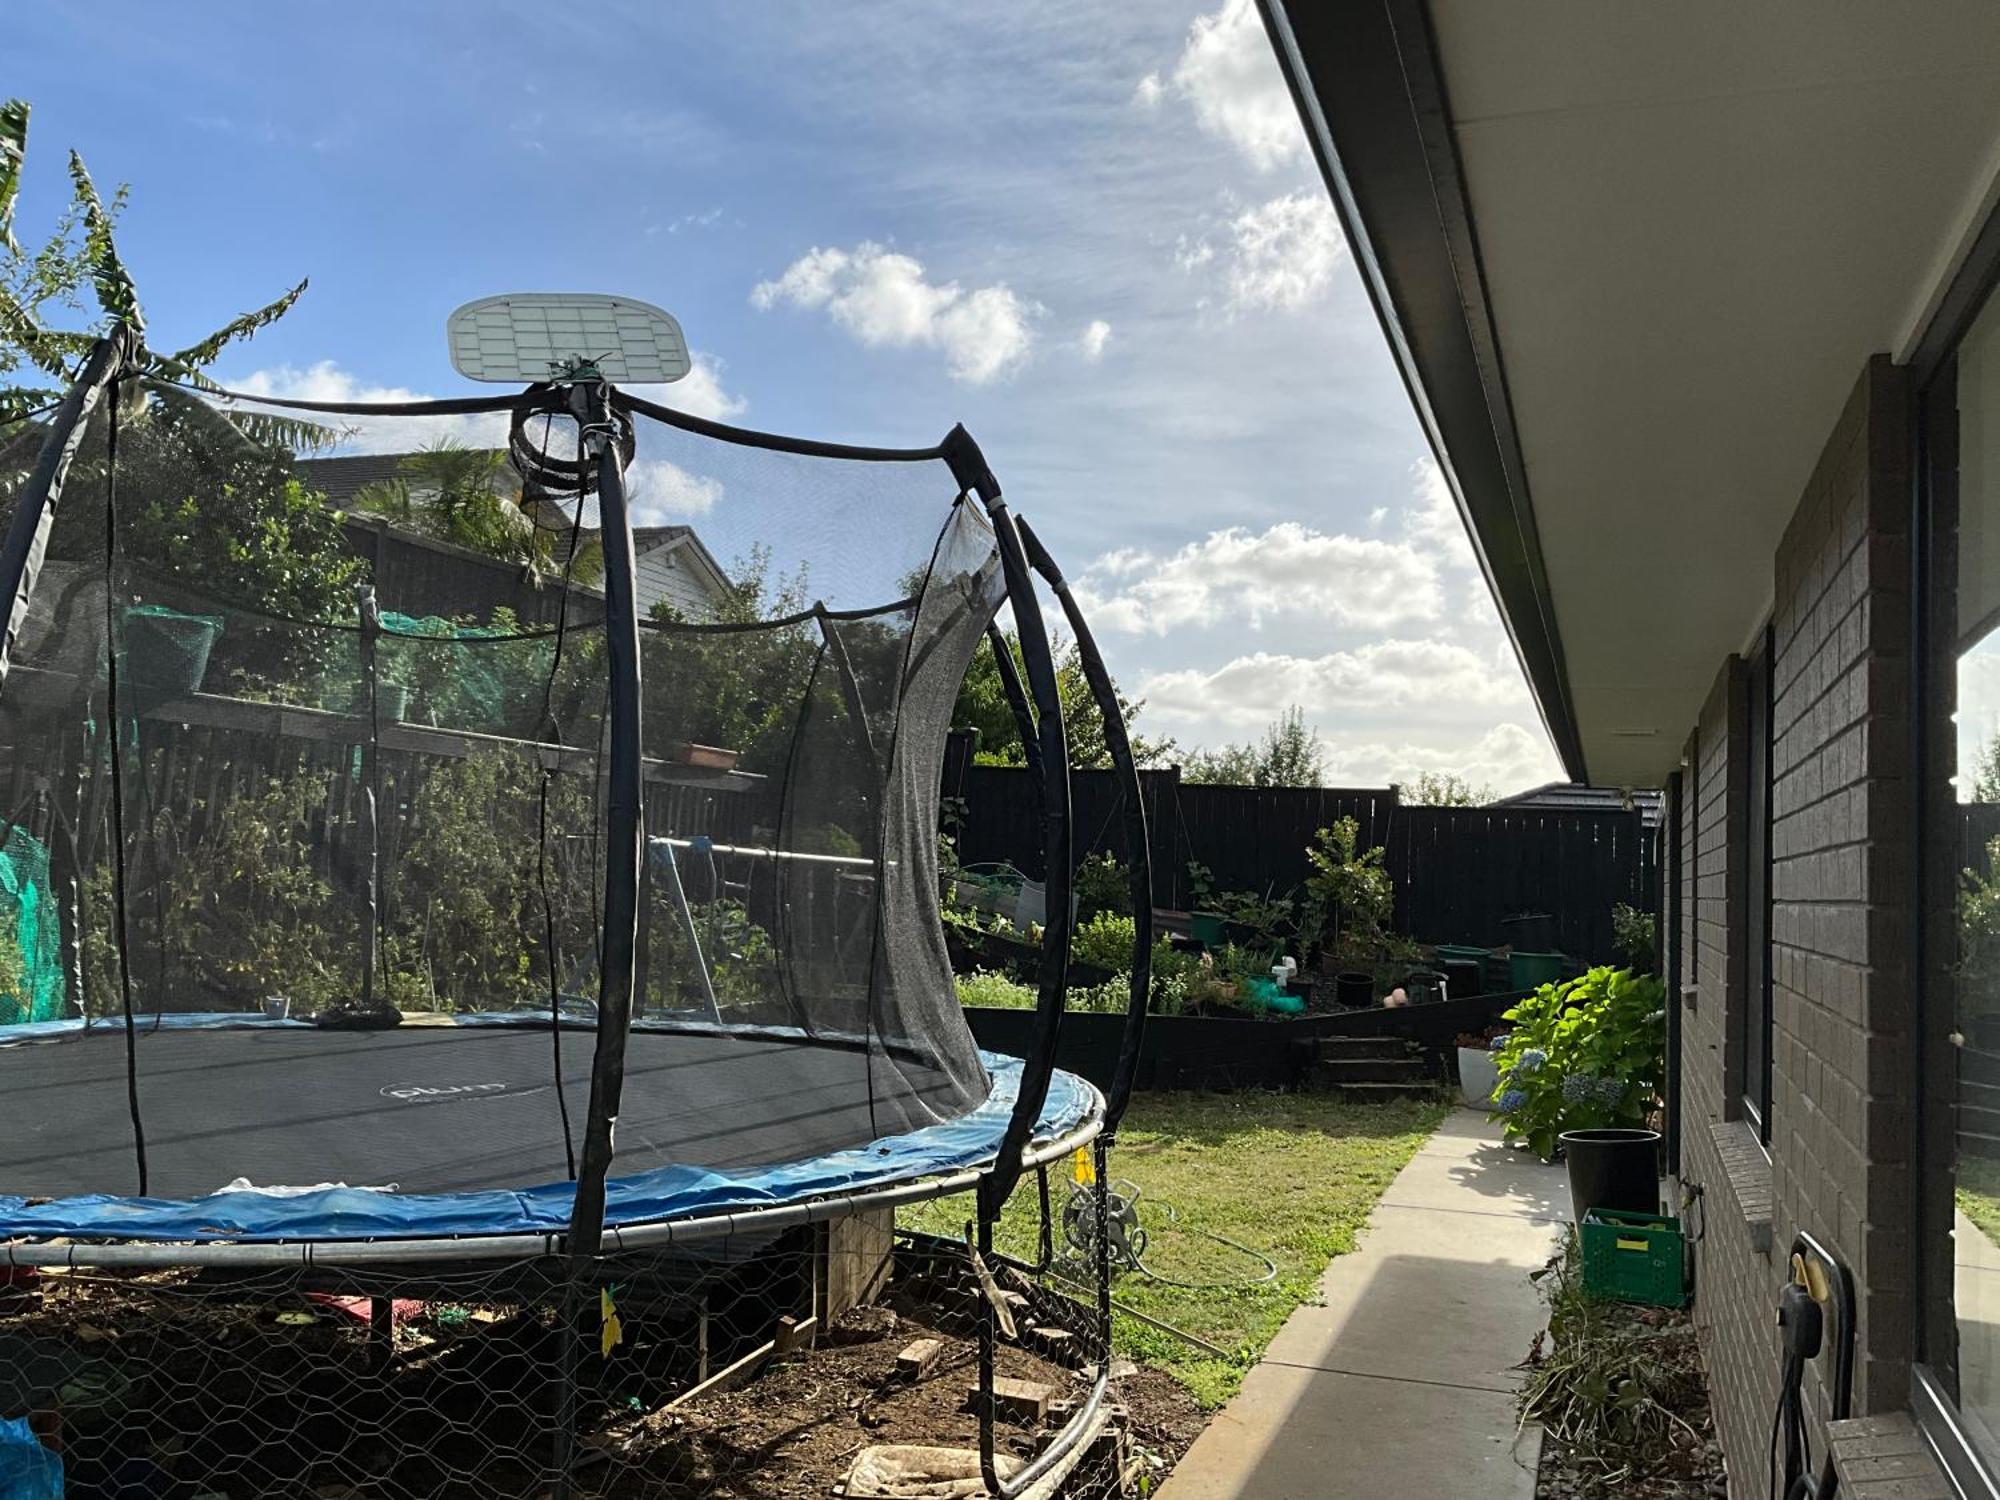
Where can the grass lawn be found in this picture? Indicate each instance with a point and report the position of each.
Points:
(1293, 1175)
(1979, 1194)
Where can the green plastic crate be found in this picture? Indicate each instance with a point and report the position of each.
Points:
(1631, 1257)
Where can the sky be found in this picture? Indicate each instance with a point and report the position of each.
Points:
(1092, 233)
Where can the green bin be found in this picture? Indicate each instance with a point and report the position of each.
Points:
(1530, 971)
(1632, 1257)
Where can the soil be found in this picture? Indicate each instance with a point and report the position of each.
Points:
(796, 1429)
(159, 1382)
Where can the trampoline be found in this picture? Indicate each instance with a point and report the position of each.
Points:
(538, 914)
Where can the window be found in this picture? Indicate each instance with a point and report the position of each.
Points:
(1754, 1020)
(1959, 742)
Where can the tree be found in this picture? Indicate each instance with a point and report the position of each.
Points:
(1443, 789)
(982, 705)
(463, 495)
(83, 248)
(1291, 753)
(1986, 774)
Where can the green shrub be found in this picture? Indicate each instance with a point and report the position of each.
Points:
(984, 987)
(1106, 941)
(1633, 937)
(1589, 1054)
(1102, 885)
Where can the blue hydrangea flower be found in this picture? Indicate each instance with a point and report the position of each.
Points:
(1497, 1043)
(1529, 1063)
(1510, 1100)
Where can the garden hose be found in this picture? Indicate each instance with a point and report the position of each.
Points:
(1129, 1239)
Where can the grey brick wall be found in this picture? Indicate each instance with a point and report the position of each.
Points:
(1843, 820)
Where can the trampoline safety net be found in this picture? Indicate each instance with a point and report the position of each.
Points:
(303, 876)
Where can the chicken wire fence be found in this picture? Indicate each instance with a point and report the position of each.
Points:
(732, 1370)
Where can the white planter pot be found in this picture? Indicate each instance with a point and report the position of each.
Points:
(1478, 1076)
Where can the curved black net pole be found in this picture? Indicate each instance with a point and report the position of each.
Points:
(623, 824)
(968, 467)
(27, 539)
(1017, 700)
(1126, 767)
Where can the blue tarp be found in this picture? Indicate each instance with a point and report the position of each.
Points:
(669, 1192)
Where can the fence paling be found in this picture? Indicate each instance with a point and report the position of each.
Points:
(1458, 872)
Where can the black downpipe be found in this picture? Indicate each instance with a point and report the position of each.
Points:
(1670, 933)
(623, 832)
(1017, 700)
(968, 466)
(27, 540)
(1126, 767)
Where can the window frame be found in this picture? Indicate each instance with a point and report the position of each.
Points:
(1973, 1466)
(1752, 1023)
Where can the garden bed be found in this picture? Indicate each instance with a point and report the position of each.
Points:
(1231, 1052)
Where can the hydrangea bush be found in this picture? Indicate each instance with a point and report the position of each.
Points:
(1587, 1054)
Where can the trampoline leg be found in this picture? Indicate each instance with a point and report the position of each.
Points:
(701, 1341)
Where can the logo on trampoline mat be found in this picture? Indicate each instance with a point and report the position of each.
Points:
(440, 1093)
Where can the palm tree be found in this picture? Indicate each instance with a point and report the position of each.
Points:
(170, 387)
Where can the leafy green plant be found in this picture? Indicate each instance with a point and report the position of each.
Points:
(1105, 941)
(1979, 942)
(1587, 1054)
(1634, 936)
(1349, 900)
(984, 987)
(1102, 885)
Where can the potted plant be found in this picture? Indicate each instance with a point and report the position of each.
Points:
(1580, 1073)
(1478, 1072)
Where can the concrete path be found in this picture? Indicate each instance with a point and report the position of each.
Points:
(1403, 1383)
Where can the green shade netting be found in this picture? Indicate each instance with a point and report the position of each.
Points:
(31, 987)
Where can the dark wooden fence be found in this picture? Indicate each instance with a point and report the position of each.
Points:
(1459, 872)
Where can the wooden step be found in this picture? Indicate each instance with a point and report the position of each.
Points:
(1371, 1093)
(1354, 1047)
(1373, 1070)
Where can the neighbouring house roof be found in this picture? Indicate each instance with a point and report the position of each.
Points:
(1567, 796)
(1630, 263)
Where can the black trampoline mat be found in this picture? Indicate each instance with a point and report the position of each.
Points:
(429, 1109)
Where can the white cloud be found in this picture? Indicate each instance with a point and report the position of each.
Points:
(882, 297)
(1425, 678)
(1283, 253)
(1433, 521)
(662, 492)
(1509, 757)
(1286, 571)
(1378, 515)
(1149, 91)
(699, 393)
(1094, 339)
(1192, 255)
(1228, 74)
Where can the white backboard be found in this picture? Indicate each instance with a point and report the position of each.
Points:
(526, 337)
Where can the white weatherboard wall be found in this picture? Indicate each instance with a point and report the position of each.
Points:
(664, 574)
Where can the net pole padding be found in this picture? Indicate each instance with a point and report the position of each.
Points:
(624, 842)
(27, 540)
(371, 832)
(969, 469)
(1017, 700)
(1126, 767)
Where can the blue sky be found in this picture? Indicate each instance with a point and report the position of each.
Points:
(1092, 233)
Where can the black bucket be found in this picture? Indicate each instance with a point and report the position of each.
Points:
(1353, 991)
(1613, 1169)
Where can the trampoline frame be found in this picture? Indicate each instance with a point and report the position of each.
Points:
(600, 409)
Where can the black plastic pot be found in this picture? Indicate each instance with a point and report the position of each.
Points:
(1613, 1169)
(1354, 991)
